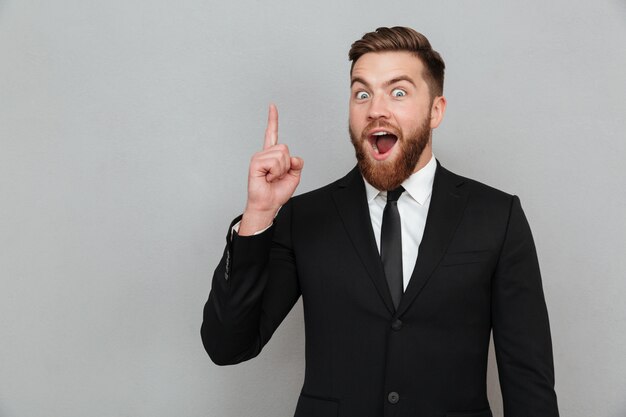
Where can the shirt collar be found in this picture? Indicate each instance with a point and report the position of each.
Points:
(419, 185)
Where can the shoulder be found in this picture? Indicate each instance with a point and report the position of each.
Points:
(315, 210)
(478, 192)
(352, 179)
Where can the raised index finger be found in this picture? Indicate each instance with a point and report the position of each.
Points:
(271, 132)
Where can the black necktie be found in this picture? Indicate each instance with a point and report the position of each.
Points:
(391, 245)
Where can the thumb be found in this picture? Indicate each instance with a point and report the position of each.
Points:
(296, 165)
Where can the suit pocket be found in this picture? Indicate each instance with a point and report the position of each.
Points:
(483, 413)
(470, 257)
(316, 407)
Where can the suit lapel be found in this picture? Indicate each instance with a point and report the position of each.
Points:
(351, 203)
(447, 203)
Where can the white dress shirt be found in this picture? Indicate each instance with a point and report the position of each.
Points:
(413, 208)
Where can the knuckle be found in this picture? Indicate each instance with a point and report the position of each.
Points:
(275, 163)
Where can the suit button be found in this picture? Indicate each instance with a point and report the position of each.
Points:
(393, 397)
(396, 324)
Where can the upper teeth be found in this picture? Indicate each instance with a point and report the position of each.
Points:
(380, 134)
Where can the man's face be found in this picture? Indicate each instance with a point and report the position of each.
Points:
(390, 117)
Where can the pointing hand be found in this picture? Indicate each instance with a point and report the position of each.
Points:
(272, 179)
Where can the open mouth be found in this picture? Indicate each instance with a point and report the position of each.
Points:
(382, 142)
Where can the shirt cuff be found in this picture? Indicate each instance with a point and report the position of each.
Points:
(235, 229)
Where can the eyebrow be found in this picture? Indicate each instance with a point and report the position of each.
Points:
(387, 83)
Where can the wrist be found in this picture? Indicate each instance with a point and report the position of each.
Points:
(253, 221)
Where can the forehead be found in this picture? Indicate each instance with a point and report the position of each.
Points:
(378, 67)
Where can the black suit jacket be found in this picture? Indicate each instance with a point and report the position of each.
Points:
(476, 270)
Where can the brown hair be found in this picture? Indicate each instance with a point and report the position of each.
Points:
(400, 38)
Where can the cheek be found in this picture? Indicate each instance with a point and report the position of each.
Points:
(355, 117)
(353, 111)
(411, 116)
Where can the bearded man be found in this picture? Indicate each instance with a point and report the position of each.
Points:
(404, 268)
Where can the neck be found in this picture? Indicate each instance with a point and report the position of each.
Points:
(427, 153)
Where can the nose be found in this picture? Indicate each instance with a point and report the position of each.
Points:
(378, 108)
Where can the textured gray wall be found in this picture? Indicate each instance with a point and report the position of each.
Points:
(126, 128)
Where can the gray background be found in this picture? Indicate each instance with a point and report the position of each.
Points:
(126, 128)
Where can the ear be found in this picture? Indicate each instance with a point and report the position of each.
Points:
(437, 111)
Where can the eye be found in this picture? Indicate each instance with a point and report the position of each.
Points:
(398, 93)
(361, 95)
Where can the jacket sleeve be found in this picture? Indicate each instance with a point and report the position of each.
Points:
(254, 286)
(520, 325)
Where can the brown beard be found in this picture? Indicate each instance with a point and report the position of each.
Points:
(387, 175)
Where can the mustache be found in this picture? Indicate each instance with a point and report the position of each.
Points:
(380, 124)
